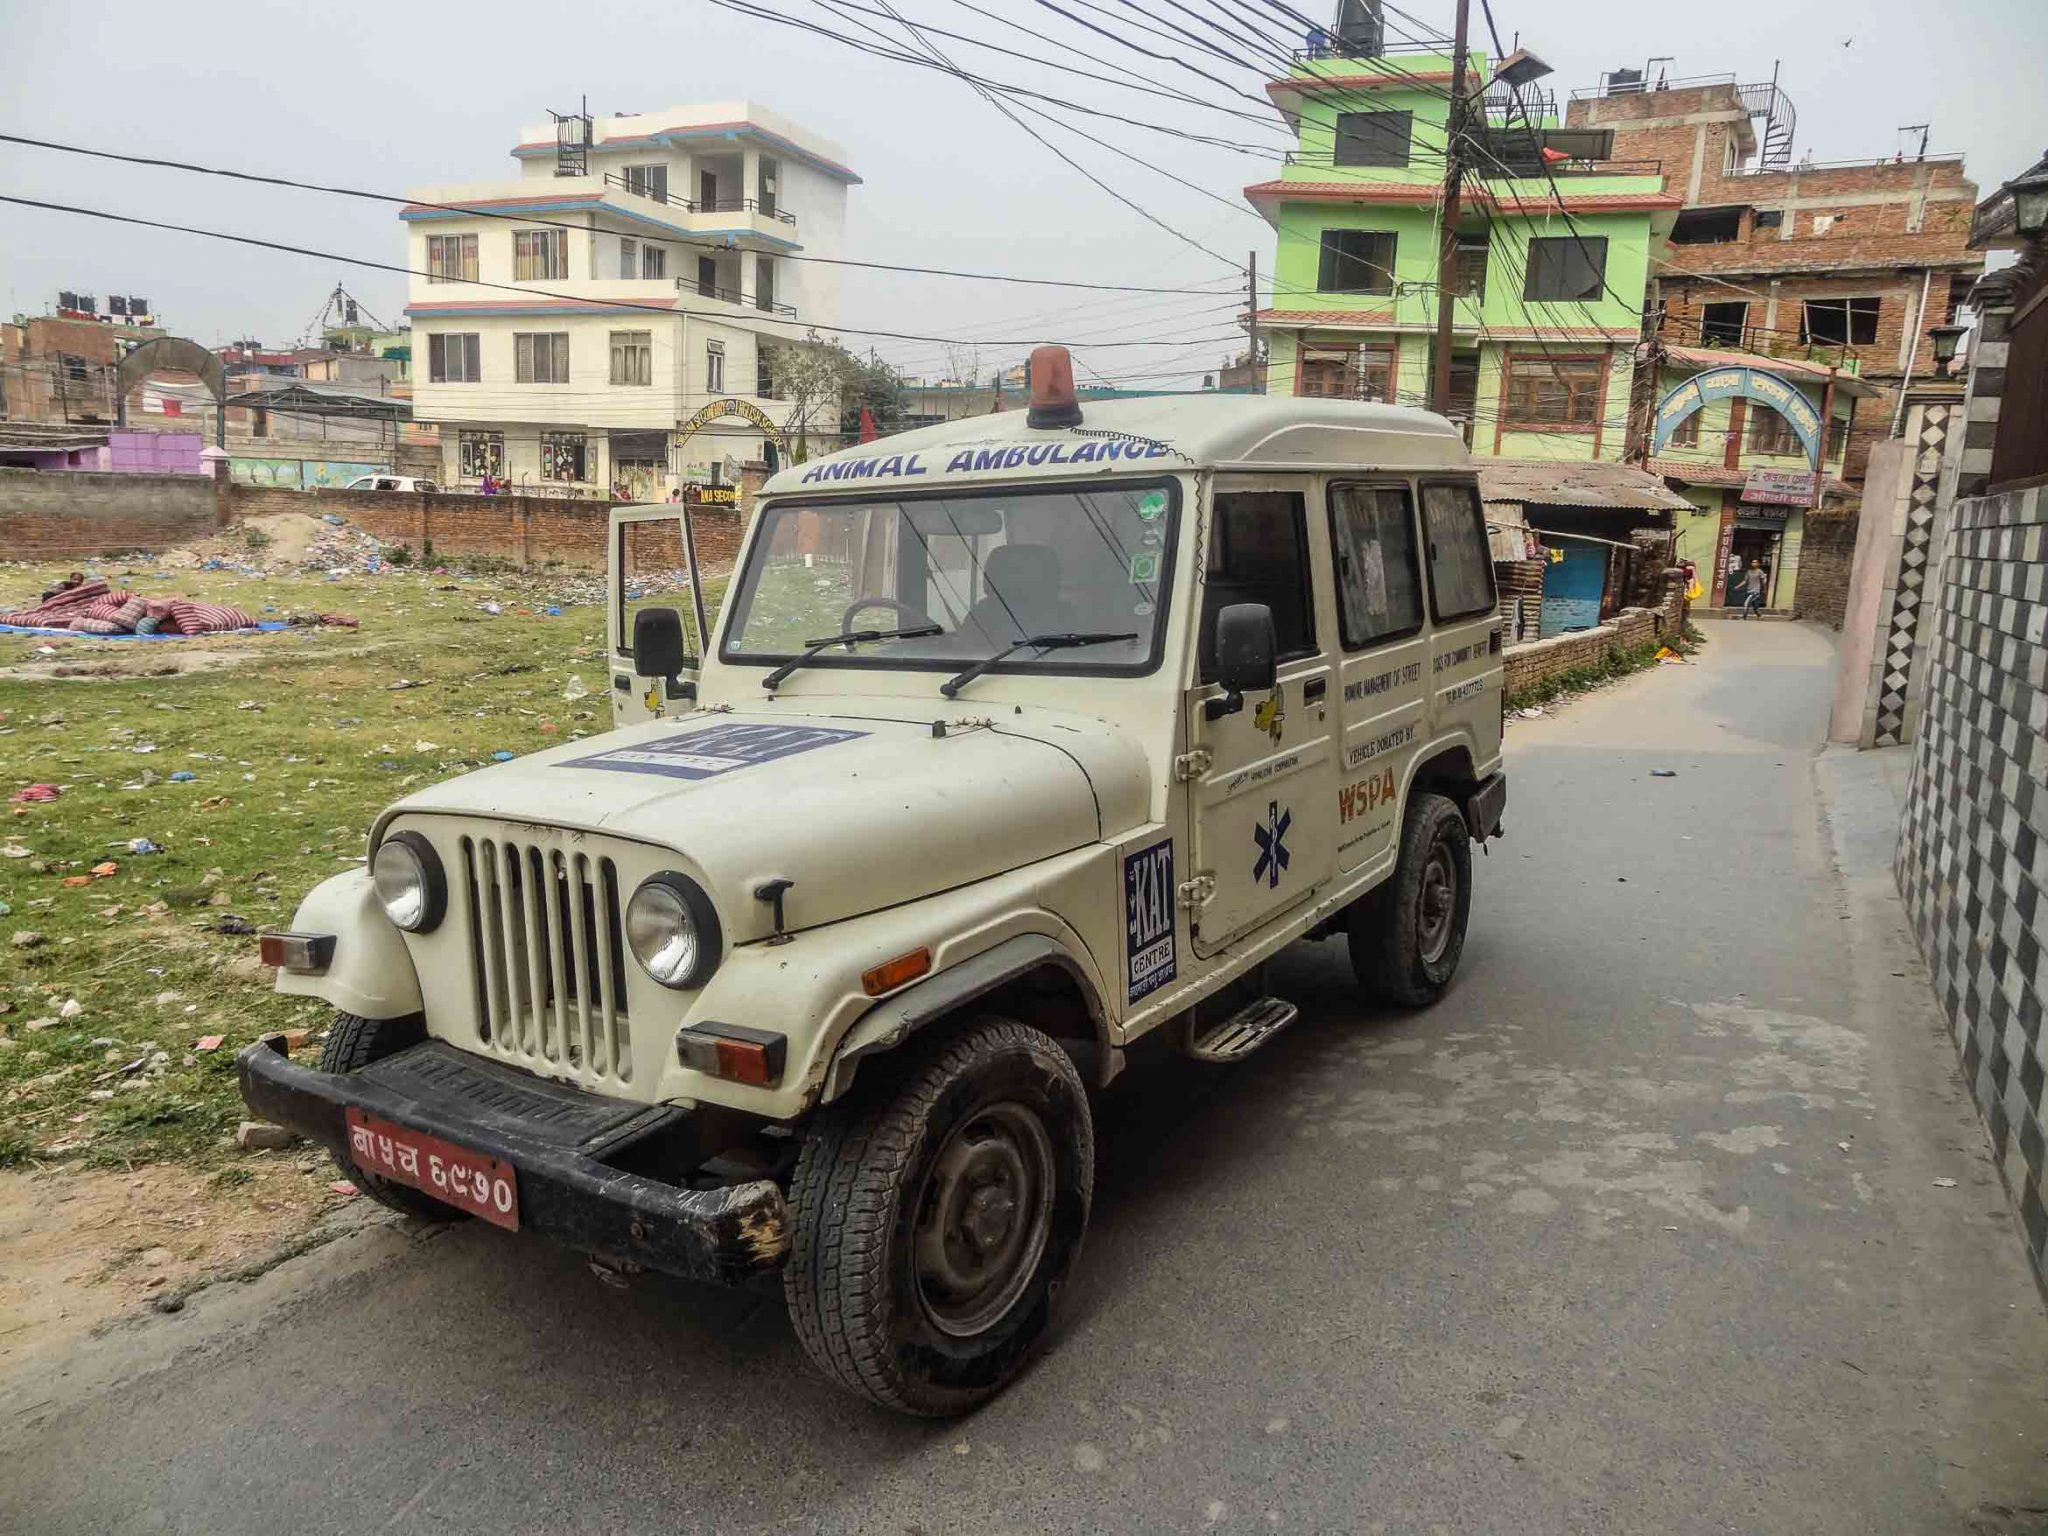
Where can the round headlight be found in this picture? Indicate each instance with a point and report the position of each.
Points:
(672, 929)
(410, 886)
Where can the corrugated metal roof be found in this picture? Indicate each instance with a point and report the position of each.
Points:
(35, 437)
(1555, 483)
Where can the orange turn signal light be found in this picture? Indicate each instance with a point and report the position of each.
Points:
(891, 974)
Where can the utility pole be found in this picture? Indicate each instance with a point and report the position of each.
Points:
(1252, 320)
(1447, 250)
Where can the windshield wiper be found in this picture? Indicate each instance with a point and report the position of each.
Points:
(849, 639)
(1065, 642)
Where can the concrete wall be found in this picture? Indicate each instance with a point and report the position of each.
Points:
(1873, 572)
(91, 512)
(1973, 851)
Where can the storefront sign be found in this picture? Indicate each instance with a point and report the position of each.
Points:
(1779, 487)
(714, 495)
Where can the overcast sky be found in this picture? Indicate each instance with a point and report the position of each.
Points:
(384, 96)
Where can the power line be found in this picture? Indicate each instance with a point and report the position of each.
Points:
(625, 305)
(534, 221)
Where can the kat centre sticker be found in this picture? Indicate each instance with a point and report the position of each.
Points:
(1148, 918)
(716, 750)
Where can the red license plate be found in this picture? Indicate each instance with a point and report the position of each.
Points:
(469, 1181)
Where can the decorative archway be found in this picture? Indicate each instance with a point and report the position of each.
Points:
(742, 408)
(1751, 383)
(173, 354)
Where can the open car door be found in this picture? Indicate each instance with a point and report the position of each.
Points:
(652, 564)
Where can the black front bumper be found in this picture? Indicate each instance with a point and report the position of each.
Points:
(557, 1137)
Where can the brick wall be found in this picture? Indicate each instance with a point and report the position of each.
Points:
(527, 530)
(1972, 861)
(1631, 629)
(86, 512)
(1825, 556)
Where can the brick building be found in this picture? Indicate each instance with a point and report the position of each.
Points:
(59, 369)
(1847, 264)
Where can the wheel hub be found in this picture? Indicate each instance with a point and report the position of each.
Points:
(983, 1218)
(1437, 907)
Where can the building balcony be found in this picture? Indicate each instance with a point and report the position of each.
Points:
(613, 201)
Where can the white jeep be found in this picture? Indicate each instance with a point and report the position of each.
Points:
(1015, 741)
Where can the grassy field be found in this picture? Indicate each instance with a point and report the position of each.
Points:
(108, 982)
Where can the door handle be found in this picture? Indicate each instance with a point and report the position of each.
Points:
(1313, 689)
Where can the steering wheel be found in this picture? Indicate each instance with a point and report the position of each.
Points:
(917, 617)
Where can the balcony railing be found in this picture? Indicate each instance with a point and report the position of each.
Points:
(702, 205)
(735, 296)
(1764, 341)
(1490, 171)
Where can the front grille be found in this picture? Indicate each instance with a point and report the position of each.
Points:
(548, 954)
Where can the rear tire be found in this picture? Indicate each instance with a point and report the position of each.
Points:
(1406, 937)
(354, 1042)
(937, 1216)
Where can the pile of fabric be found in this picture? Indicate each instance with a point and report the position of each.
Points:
(93, 607)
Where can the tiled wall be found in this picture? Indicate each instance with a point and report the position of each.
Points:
(1973, 851)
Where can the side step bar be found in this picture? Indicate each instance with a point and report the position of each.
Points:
(1236, 1037)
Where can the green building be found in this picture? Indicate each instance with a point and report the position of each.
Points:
(1552, 268)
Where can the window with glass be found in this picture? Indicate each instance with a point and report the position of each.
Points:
(982, 570)
(480, 454)
(564, 456)
(764, 372)
(454, 358)
(1373, 138)
(1356, 261)
(1258, 553)
(1379, 583)
(654, 261)
(1554, 391)
(1724, 323)
(539, 254)
(1568, 269)
(1460, 560)
(1347, 373)
(1687, 433)
(451, 258)
(648, 181)
(1770, 432)
(651, 558)
(540, 357)
(629, 257)
(632, 357)
(714, 367)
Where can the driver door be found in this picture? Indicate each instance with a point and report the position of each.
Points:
(649, 568)
(1262, 804)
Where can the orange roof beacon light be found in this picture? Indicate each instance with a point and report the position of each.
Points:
(1052, 389)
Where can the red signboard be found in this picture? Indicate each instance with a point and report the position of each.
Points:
(469, 1181)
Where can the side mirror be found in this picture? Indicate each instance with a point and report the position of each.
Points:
(1245, 656)
(658, 642)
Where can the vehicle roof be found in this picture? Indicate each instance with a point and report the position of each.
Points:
(1146, 436)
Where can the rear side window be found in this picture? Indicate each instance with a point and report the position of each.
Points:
(1258, 553)
(1379, 585)
(1460, 564)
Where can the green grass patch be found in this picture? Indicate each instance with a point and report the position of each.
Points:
(293, 750)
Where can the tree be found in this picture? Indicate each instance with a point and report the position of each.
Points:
(810, 377)
(877, 386)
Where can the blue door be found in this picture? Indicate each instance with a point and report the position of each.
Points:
(1571, 589)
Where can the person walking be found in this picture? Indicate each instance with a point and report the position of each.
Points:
(1753, 590)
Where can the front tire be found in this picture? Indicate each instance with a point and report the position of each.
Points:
(937, 1216)
(1406, 937)
(354, 1042)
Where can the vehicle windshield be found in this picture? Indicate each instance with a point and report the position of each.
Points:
(987, 568)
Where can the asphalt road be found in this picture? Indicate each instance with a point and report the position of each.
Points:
(1637, 1231)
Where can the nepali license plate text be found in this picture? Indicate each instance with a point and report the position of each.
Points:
(469, 1181)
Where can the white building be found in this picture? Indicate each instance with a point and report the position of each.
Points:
(521, 351)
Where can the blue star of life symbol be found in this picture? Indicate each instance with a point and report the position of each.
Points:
(1271, 838)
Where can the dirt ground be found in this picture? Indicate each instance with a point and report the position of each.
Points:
(88, 1245)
